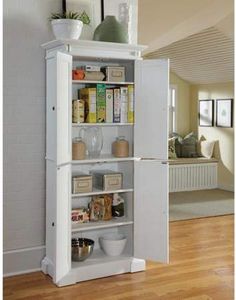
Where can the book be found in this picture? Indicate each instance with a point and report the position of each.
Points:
(89, 96)
(101, 103)
(116, 108)
(130, 104)
(124, 104)
(109, 105)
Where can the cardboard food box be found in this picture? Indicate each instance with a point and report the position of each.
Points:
(109, 105)
(124, 104)
(101, 103)
(80, 215)
(82, 183)
(107, 180)
(89, 95)
(130, 104)
(78, 111)
(117, 106)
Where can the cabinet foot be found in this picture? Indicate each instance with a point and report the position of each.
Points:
(138, 265)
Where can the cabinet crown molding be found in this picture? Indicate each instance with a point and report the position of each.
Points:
(96, 49)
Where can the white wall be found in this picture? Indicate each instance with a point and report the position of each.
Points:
(26, 27)
(183, 104)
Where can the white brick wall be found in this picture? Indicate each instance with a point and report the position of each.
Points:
(26, 27)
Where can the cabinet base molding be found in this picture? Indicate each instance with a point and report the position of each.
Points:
(47, 266)
(138, 265)
(80, 272)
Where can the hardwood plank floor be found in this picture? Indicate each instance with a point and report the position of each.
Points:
(201, 268)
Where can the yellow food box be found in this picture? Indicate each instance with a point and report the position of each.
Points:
(130, 104)
(78, 111)
(89, 96)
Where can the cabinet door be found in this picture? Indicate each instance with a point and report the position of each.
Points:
(59, 97)
(151, 109)
(63, 224)
(151, 215)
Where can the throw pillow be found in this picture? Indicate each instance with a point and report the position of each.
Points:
(207, 148)
(171, 148)
(202, 138)
(189, 146)
(178, 143)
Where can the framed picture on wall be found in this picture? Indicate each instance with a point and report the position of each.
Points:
(206, 113)
(126, 12)
(224, 113)
(92, 8)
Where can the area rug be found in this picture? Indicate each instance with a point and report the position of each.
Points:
(199, 204)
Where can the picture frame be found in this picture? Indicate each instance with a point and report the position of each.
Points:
(206, 113)
(224, 113)
(126, 12)
(93, 9)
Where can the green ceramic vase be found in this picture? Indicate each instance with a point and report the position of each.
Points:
(110, 30)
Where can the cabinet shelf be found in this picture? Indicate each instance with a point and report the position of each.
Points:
(104, 82)
(101, 124)
(100, 225)
(99, 257)
(101, 192)
(102, 158)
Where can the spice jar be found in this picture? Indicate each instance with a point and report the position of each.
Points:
(120, 148)
(78, 149)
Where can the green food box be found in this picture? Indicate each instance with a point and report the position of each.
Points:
(101, 103)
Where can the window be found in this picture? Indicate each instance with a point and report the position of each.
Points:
(172, 108)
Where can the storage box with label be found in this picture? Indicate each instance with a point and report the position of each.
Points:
(115, 74)
(107, 180)
(82, 183)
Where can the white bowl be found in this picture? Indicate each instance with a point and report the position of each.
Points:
(113, 244)
(67, 29)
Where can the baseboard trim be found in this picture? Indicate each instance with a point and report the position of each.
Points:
(226, 187)
(21, 272)
(23, 261)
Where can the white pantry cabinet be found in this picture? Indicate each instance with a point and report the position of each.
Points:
(145, 171)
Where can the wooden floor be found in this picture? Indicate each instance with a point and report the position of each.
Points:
(201, 268)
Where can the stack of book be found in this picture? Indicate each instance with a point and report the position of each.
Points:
(104, 104)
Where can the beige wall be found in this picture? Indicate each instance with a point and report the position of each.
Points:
(224, 148)
(183, 104)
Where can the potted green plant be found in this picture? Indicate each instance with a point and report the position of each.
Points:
(68, 25)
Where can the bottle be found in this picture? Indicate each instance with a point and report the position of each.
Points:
(120, 148)
(78, 149)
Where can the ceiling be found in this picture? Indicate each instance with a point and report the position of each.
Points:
(197, 37)
(203, 58)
